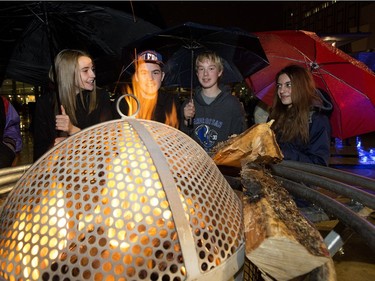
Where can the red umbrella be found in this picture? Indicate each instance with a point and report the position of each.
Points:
(350, 83)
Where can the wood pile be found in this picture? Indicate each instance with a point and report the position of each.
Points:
(280, 241)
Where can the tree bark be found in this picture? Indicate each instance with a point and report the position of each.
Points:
(279, 240)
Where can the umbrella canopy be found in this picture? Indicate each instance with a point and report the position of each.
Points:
(242, 52)
(350, 84)
(45, 28)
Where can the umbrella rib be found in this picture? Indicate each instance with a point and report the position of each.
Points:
(340, 80)
(308, 62)
(287, 58)
(186, 43)
(35, 14)
(191, 45)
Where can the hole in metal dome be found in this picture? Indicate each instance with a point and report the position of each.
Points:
(123, 200)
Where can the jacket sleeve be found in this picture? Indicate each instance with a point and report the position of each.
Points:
(44, 126)
(238, 123)
(12, 133)
(107, 109)
(318, 149)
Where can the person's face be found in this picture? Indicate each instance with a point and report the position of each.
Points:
(284, 89)
(149, 77)
(208, 73)
(87, 73)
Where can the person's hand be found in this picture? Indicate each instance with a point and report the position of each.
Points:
(58, 140)
(189, 110)
(63, 123)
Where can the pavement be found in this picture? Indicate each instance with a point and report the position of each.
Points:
(354, 261)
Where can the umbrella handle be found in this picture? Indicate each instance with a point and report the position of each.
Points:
(190, 120)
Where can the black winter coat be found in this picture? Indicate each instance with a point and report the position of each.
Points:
(45, 121)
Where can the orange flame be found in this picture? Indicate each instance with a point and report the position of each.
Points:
(171, 118)
(147, 106)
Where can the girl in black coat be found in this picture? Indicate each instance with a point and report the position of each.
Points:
(82, 104)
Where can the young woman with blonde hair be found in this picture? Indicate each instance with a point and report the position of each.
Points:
(82, 103)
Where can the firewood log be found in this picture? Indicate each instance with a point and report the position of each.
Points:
(279, 240)
(257, 144)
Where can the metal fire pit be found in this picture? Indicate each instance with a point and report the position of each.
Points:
(123, 200)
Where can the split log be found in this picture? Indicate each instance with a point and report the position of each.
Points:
(279, 240)
(256, 145)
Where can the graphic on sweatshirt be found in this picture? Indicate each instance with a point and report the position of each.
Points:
(206, 135)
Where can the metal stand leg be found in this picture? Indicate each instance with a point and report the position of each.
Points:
(336, 239)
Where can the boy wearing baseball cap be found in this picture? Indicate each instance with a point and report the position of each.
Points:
(155, 104)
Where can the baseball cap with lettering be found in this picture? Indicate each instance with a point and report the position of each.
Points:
(151, 57)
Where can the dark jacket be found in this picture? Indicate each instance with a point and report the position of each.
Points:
(164, 107)
(10, 135)
(217, 121)
(317, 151)
(45, 118)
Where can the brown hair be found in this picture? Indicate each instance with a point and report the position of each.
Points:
(292, 123)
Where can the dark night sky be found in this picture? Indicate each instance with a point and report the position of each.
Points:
(249, 15)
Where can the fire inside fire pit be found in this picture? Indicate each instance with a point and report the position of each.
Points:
(123, 200)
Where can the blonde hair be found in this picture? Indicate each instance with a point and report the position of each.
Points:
(211, 56)
(68, 77)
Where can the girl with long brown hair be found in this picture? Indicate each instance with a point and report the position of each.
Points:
(301, 125)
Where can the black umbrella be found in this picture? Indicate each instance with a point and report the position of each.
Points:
(46, 28)
(241, 51)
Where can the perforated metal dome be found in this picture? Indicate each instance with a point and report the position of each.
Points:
(123, 200)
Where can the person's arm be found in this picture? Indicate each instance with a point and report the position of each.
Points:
(318, 150)
(12, 133)
(11, 143)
